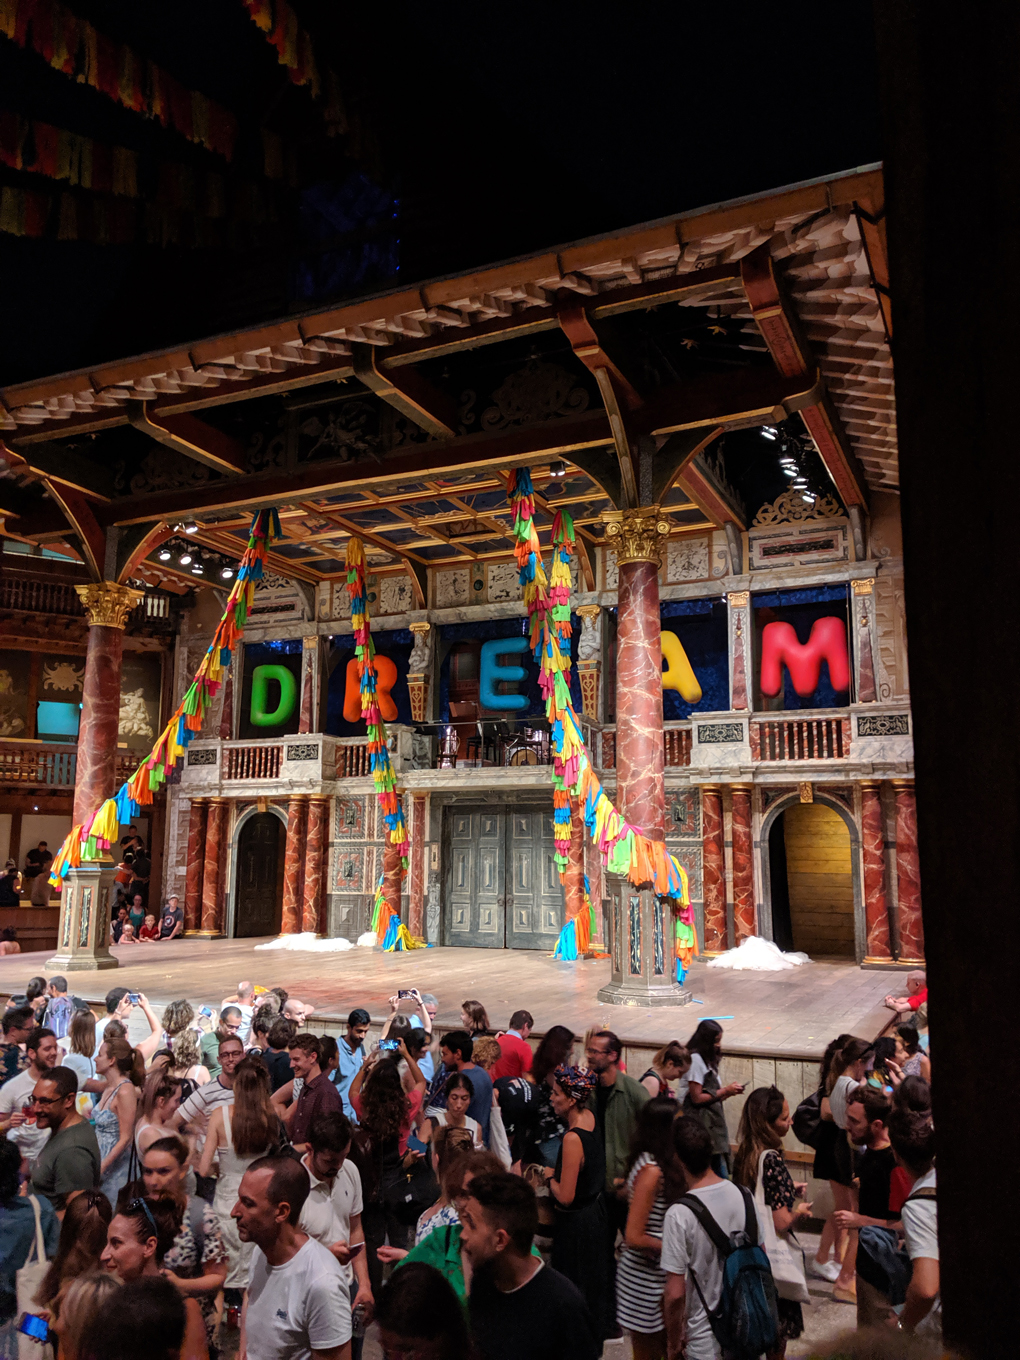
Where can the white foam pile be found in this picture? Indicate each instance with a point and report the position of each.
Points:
(308, 942)
(756, 955)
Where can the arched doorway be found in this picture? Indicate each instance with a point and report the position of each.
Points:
(811, 878)
(259, 879)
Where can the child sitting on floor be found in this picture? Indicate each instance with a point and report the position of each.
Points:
(149, 931)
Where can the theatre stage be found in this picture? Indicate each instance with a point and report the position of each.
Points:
(792, 1014)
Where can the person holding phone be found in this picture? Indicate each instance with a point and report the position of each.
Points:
(706, 1093)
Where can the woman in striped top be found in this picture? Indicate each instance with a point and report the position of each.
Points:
(655, 1180)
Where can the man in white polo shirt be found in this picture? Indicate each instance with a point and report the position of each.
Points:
(297, 1307)
(332, 1212)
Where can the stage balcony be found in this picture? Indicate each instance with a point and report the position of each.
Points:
(34, 765)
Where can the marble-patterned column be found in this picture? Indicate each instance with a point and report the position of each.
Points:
(212, 882)
(740, 623)
(876, 906)
(293, 861)
(908, 875)
(744, 915)
(309, 717)
(573, 878)
(713, 870)
(644, 971)
(315, 864)
(864, 650)
(107, 606)
(419, 830)
(197, 816)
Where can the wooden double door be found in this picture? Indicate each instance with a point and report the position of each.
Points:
(502, 887)
(259, 880)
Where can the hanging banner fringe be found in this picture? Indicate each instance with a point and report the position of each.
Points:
(624, 849)
(278, 21)
(87, 842)
(386, 923)
(75, 48)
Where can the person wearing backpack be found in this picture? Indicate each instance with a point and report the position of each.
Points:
(719, 1295)
(912, 1135)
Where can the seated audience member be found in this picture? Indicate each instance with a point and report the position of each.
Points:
(17, 1237)
(82, 1239)
(420, 1315)
(68, 1162)
(514, 1049)
(9, 941)
(688, 1250)
(118, 923)
(351, 1047)
(37, 860)
(298, 1303)
(149, 930)
(10, 885)
(517, 1305)
(136, 912)
(916, 997)
(127, 935)
(913, 1142)
(75, 1325)
(171, 921)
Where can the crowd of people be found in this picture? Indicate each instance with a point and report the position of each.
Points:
(233, 1179)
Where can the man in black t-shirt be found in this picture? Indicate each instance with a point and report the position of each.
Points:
(518, 1306)
(867, 1114)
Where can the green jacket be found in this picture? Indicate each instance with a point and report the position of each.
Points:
(441, 1250)
(625, 1099)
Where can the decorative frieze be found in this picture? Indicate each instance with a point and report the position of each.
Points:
(883, 724)
(719, 733)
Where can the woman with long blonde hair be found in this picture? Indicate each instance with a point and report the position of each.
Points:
(240, 1133)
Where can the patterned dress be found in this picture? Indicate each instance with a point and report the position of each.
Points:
(444, 1217)
(639, 1278)
(779, 1194)
(182, 1258)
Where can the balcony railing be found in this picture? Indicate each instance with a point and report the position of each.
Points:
(807, 738)
(39, 597)
(676, 746)
(252, 762)
(352, 760)
(45, 764)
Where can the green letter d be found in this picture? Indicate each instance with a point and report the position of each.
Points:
(260, 681)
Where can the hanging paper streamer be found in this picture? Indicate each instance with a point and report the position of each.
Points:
(386, 923)
(624, 849)
(87, 842)
(575, 937)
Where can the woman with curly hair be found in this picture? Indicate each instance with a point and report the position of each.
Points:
(386, 1115)
(187, 1065)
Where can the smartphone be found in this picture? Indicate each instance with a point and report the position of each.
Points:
(389, 1045)
(355, 1247)
(205, 1010)
(400, 995)
(133, 998)
(38, 1328)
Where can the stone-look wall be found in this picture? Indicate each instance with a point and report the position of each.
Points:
(355, 861)
(683, 837)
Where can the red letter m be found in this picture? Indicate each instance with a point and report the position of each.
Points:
(827, 642)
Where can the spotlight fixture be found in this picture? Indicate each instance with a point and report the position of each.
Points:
(164, 554)
(769, 432)
(191, 528)
(800, 483)
(227, 573)
(198, 569)
(808, 497)
(185, 559)
(789, 469)
(558, 468)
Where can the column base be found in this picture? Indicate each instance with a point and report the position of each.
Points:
(889, 965)
(640, 993)
(204, 934)
(80, 963)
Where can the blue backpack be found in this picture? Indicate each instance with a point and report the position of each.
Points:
(746, 1323)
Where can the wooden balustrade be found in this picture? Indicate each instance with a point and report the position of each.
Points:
(800, 739)
(252, 762)
(42, 597)
(352, 762)
(51, 764)
(677, 741)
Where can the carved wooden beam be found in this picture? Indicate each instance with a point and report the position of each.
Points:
(90, 535)
(135, 543)
(711, 498)
(410, 394)
(190, 436)
(791, 353)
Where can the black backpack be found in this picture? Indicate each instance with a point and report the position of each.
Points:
(807, 1120)
(746, 1323)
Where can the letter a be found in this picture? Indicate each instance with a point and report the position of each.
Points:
(679, 673)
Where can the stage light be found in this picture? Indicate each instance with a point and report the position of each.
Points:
(768, 432)
(227, 573)
(799, 483)
(165, 554)
(185, 559)
(198, 569)
(191, 528)
(558, 469)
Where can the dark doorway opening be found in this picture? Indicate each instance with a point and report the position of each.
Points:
(259, 877)
(782, 927)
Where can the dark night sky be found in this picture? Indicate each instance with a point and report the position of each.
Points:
(502, 130)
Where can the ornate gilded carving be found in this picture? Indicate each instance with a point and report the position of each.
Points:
(538, 391)
(421, 652)
(738, 599)
(108, 604)
(864, 586)
(807, 793)
(637, 535)
(790, 508)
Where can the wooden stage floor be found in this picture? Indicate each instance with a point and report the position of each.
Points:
(788, 1014)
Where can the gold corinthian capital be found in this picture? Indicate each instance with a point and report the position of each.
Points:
(636, 535)
(108, 604)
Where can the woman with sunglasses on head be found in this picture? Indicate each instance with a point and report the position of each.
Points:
(137, 1241)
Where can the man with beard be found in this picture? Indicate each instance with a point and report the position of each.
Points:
(69, 1161)
(298, 1306)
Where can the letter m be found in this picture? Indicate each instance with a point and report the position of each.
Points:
(779, 647)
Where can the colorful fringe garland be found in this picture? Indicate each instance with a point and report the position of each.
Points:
(575, 937)
(89, 840)
(386, 923)
(624, 848)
